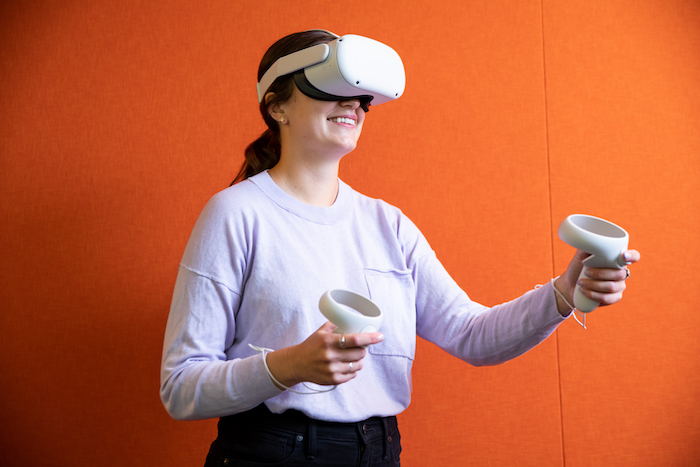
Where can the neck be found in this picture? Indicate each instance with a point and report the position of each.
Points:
(316, 185)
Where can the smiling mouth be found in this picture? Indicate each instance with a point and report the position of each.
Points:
(346, 120)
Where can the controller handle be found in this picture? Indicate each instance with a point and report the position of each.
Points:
(605, 241)
(351, 312)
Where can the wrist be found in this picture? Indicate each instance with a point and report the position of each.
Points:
(563, 296)
(279, 365)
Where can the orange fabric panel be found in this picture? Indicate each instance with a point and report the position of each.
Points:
(463, 153)
(119, 120)
(624, 144)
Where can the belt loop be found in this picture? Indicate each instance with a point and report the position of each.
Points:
(311, 441)
(385, 426)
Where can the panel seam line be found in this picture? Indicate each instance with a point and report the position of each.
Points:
(551, 221)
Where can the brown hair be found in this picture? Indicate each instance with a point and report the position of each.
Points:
(264, 152)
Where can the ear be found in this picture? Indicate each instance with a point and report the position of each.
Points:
(275, 110)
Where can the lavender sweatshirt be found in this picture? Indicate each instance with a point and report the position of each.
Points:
(255, 266)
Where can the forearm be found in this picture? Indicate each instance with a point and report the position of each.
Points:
(213, 389)
(478, 334)
(509, 330)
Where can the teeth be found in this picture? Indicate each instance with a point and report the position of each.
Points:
(349, 121)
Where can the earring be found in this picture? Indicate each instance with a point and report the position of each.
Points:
(282, 120)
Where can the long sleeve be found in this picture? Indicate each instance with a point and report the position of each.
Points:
(475, 333)
(197, 380)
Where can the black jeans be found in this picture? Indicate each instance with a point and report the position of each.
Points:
(261, 438)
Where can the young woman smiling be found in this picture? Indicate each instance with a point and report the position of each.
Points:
(245, 340)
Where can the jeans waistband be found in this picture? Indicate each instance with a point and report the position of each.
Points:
(296, 421)
(365, 431)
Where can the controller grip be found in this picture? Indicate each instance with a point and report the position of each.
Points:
(581, 302)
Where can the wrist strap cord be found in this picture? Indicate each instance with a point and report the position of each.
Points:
(264, 351)
(573, 308)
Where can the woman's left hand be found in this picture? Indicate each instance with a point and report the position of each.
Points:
(603, 285)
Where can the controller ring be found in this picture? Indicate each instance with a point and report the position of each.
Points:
(350, 312)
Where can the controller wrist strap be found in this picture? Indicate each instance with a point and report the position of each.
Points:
(264, 351)
(573, 308)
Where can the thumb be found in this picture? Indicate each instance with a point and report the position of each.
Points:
(575, 267)
(327, 327)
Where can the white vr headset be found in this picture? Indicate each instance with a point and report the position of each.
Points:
(350, 66)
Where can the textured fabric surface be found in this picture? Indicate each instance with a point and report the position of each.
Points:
(120, 119)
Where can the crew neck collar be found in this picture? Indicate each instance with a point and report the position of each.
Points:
(320, 215)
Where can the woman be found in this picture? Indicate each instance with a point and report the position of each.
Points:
(264, 251)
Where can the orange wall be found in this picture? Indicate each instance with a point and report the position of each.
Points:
(120, 119)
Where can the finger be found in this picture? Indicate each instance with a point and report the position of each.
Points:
(348, 368)
(603, 286)
(603, 292)
(353, 367)
(363, 339)
(632, 256)
(342, 372)
(327, 327)
(603, 298)
(607, 274)
(350, 355)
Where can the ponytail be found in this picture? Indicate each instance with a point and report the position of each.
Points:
(260, 155)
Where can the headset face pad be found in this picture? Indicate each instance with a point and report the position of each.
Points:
(309, 90)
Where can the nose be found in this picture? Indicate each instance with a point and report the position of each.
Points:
(350, 103)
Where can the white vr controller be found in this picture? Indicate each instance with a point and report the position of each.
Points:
(351, 312)
(605, 241)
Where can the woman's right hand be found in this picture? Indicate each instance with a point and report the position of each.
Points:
(320, 358)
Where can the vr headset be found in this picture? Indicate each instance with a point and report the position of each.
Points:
(349, 67)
